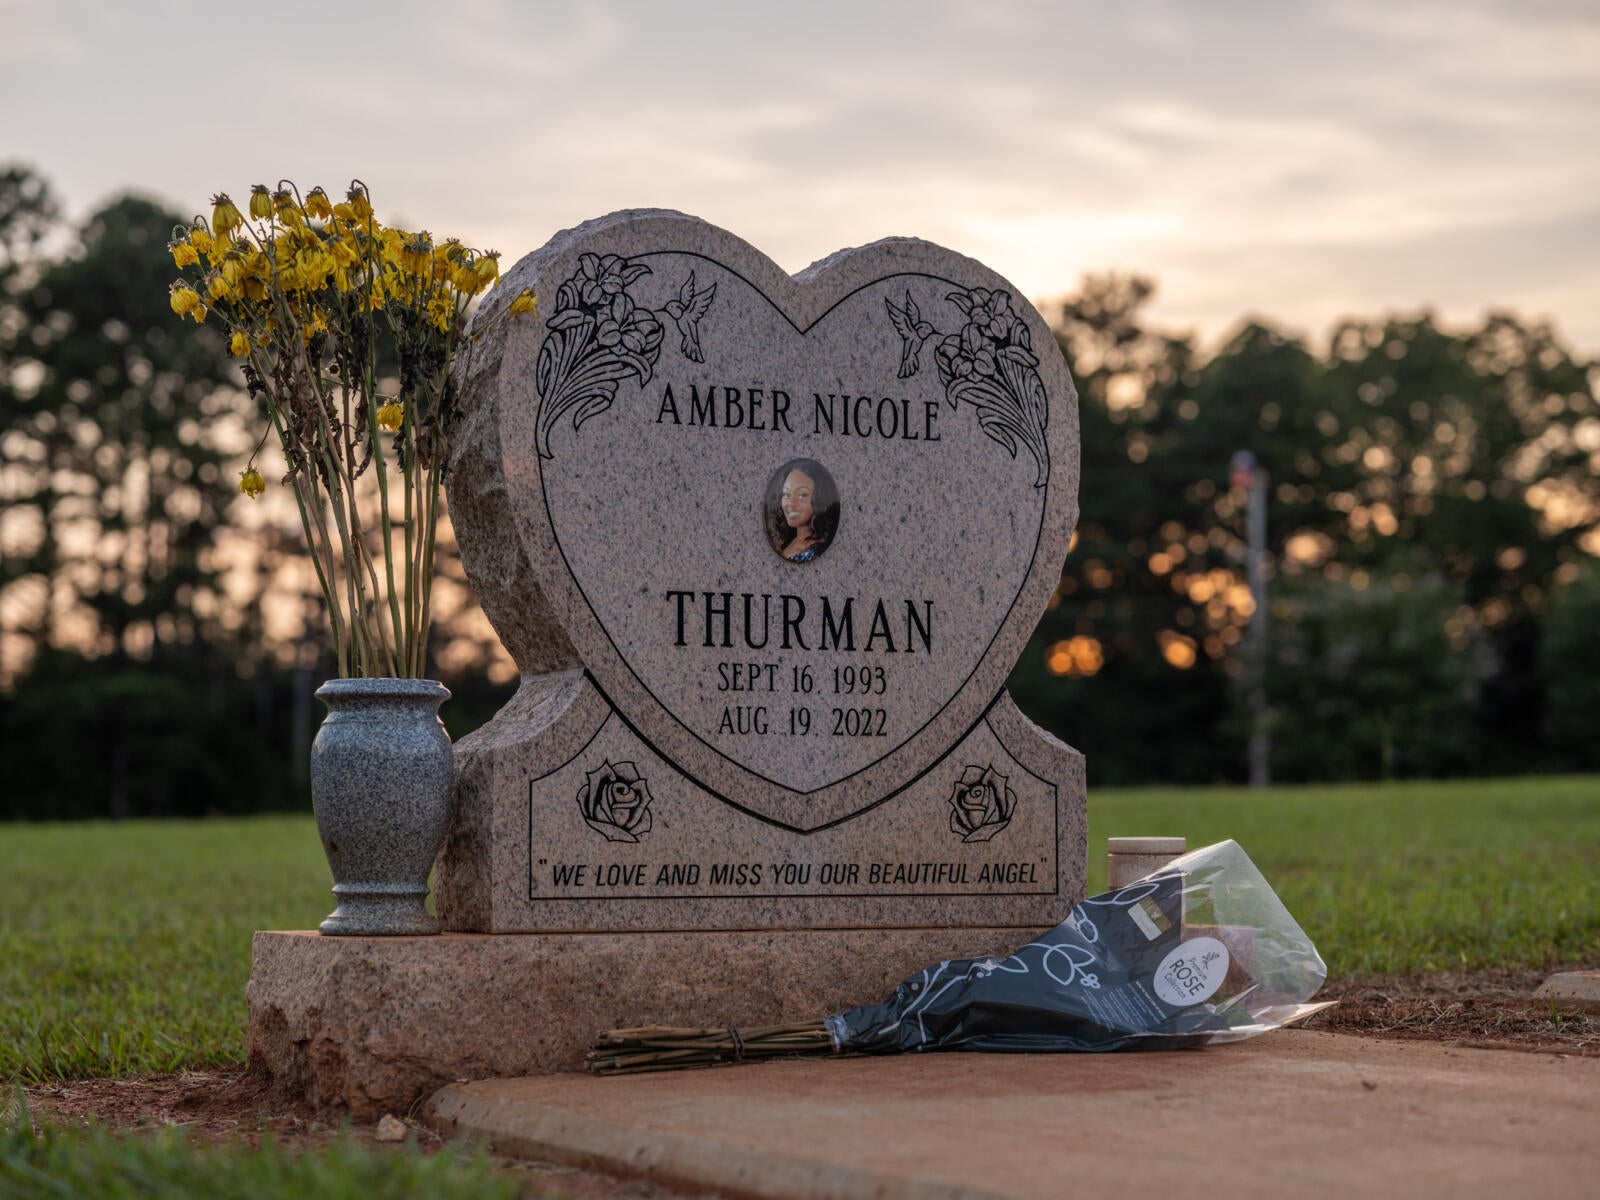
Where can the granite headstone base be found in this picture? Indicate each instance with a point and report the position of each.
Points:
(565, 818)
(366, 1026)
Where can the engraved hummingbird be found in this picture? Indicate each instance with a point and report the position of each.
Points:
(686, 310)
(914, 333)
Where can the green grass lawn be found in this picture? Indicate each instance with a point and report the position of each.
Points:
(96, 1164)
(124, 948)
(1403, 877)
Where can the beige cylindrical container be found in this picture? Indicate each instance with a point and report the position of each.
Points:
(1130, 858)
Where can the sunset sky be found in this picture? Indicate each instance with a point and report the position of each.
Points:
(1296, 161)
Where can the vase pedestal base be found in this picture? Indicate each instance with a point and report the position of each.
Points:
(388, 909)
(368, 1025)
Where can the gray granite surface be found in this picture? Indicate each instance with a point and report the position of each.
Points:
(366, 1026)
(765, 548)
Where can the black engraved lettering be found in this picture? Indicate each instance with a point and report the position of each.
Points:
(703, 413)
(794, 611)
(668, 405)
(713, 611)
(915, 625)
(682, 598)
(880, 628)
(841, 632)
(766, 621)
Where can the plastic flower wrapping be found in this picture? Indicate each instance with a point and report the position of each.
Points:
(1198, 952)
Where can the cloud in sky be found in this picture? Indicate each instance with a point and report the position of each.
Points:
(1302, 162)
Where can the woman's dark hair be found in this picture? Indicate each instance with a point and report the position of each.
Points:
(824, 504)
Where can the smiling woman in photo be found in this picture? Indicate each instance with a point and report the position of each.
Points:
(802, 509)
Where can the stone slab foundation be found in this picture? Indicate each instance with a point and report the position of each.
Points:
(368, 1025)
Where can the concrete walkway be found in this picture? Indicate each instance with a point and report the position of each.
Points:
(1294, 1114)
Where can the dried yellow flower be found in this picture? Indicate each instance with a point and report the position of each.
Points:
(184, 299)
(344, 252)
(360, 206)
(390, 417)
(465, 278)
(415, 254)
(224, 215)
(239, 344)
(251, 483)
(288, 209)
(260, 202)
(525, 303)
(183, 254)
(318, 207)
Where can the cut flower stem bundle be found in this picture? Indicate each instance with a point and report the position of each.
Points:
(665, 1048)
(1198, 952)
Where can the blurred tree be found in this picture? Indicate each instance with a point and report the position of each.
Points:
(1570, 661)
(1474, 457)
(120, 422)
(28, 214)
(1153, 598)
(1478, 456)
(118, 416)
(1376, 678)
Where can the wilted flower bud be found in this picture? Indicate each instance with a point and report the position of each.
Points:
(183, 254)
(184, 299)
(390, 417)
(318, 207)
(224, 215)
(414, 254)
(288, 209)
(239, 344)
(260, 202)
(360, 206)
(251, 483)
(526, 302)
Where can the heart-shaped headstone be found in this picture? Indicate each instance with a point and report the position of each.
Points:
(797, 529)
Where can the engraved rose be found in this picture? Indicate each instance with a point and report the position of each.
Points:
(980, 804)
(616, 802)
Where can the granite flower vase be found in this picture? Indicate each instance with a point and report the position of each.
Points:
(380, 784)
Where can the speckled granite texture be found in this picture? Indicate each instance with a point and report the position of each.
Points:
(371, 1025)
(765, 548)
(381, 769)
(705, 864)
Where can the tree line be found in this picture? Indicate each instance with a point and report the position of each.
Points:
(1432, 526)
(1433, 516)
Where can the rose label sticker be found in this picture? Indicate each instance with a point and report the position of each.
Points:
(1191, 972)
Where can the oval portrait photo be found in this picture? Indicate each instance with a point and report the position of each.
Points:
(801, 509)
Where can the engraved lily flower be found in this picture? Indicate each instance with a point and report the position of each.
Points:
(612, 320)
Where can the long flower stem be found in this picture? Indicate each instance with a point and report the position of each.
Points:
(429, 538)
(414, 634)
(316, 535)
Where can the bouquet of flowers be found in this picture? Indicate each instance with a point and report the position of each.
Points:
(1199, 952)
(349, 332)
